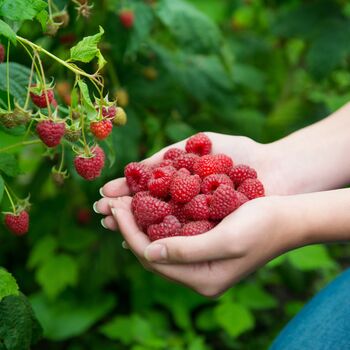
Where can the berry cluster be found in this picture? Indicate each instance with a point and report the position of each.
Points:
(190, 191)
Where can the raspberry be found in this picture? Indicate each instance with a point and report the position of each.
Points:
(184, 188)
(213, 181)
(241, 172)
(51, 132)
(120, 117)
(169, 227)
(18, 224)
(166, 162)
(199, 144)
(185, 161)
(198, 207)
(137, 176)
(150, 210)
(101, 129)
(90, 167)
(241, 198)
(137, 197)
(173, 153)
(252, 188)
(178, 211)
(2, 53)
(225, 162)
(196, 228)
(224, 201)
(208, 164)
(182, 172)
(126, 18)
(109, 112)
(40, 99)
(159, 183)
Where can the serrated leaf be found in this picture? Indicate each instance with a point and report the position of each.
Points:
(7, 31)
(8, 164)
(43, 17)
(86, 49)
(57, 273)
(86, 95)
(19, 10)
(254, 297)
(19, 328)
(234, 318)
(70, 317)
(192, 29)
(8, 284)
(312, 257)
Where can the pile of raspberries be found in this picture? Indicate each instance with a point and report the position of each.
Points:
(190, 191)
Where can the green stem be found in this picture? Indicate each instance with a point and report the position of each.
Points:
(10, 199)
(62, 159)
(49, 4)
(8, 75)
(22, 143)
(29, 85)
(33, 60)
(44, 79)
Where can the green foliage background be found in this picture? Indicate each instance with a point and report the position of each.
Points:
(255, 68)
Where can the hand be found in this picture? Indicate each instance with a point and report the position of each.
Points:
(211, 262)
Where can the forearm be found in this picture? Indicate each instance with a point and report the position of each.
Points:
(317, 157)
(316, 217)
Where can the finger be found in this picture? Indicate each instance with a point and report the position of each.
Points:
(115, 188)
(109, 223)
(212, 245)
(103, 206)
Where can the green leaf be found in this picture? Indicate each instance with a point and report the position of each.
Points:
(234, 318)
(42, 251)
(7, 31)
(57, 273)
(8, 164)
(254, 297)
(192, 29)
(2, 186)
(312, 257)
(8, 285)
(87, 49)
(70, 317)
(19, 10)
(85, 95)
(19, 328)
(177, 131)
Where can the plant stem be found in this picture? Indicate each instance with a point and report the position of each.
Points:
(62, 158)
(29, 84)
(8, 75)
(22, 143)
(44, 79)
(10, 199)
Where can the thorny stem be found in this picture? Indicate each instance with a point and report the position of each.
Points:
(49, 4)
(22, 143)
(10, 199)
(8, 75)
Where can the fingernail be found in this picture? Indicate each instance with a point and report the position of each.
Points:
(94, 207)
(114, 211)
(101, 192)
(155, 252)
(125, 245)
(103, 223)
(110, 203)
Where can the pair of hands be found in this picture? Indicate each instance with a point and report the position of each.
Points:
(211, 262)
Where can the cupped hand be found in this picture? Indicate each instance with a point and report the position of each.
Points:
(211, 262)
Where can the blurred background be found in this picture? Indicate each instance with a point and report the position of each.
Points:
(256, 68)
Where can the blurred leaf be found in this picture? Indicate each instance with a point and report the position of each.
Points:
(187, 25)
(56, 273)
(254, 297)
(249, 76)
(234, 318)
(312, 257)
(6, 31)
(19, 328)
(19, 10)
(206, 321)
(86, 95)
(1, 187)
(177, 131)
(69, 317)
(8, 164)
(8, 285)
(42, 251)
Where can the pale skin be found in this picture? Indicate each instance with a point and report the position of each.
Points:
(303, 206)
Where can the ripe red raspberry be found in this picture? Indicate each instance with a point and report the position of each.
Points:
(137, 197)
(178, 211)
(166, 162)
(198, 207)
(196, 228)
(51, 132)
(90, 166)
(199, 144)
(241, 198)
(109, 112)
(150, 210)
(209, 164)
(185, 161)
(184, 188)
(137, 176)
(213, 181)
(169, 227)
(241, 172)
(252, 188)
(159, 183)
(127, 18)
(224, 201)
(40, 99)
(18, 224)
(101, 128)
(83, 216)
(182, 172)
(2, 53)
(226, 163)
(173, 153)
